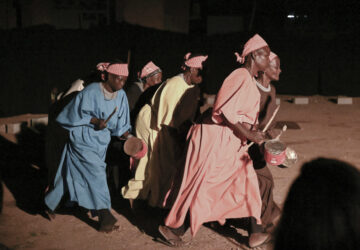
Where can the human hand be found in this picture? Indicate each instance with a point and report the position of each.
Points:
(257, 136)
(125, 136)
(99, 124)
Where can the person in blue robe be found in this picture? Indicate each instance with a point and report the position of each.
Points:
(98, 112)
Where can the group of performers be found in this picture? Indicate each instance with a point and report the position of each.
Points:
(198, 166)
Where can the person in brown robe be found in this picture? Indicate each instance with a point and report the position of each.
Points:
(270, 212)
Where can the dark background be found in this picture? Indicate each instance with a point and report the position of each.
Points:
(319, 50)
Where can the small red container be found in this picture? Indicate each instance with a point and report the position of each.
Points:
(275, 152)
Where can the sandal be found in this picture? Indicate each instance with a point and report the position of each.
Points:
(107, 221)
(109, 229)
(50, 214)
(171, 238)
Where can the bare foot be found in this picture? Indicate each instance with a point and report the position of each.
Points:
(172, 239)
(257, 239)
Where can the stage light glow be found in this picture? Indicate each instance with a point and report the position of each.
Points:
(291, 16)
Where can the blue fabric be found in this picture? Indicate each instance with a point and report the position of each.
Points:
(82, 169)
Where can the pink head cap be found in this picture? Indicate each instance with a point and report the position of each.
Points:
(119, 69)
(149, 68)
(254, 43)
(272, 56)
(194, 62)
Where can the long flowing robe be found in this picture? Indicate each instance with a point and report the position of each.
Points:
(81, 170)
(219, 181)
(158, 125)
(269, 209)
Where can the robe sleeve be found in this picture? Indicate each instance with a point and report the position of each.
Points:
(79, 111)
(123, 122)
(237, 100)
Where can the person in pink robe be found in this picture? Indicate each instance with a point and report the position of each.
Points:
(219, 181)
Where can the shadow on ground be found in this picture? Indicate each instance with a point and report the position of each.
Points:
(22, 168)
(229, 231)
(147, 219)
(3, 247)
(23, 171)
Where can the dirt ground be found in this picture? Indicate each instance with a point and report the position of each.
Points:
(326, 130)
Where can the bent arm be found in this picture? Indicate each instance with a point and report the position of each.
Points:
(243, 130)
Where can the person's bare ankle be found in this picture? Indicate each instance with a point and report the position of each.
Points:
(257, 239)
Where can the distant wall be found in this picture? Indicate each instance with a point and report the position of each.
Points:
(7, 15)
(33, 61)
(158, 14)
(60, 14)
(224, 24)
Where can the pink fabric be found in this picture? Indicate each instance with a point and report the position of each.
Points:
(119, 69)
(219, 180)
(148, 69)
(102, 66)
(194, 62)
(272, 56)
(254, 43)
(233, 108)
